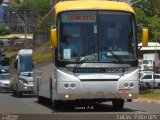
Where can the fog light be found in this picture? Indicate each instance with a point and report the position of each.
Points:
(130, 95)
(66, 85)
(66, 96)
(125, 84)
(73, 85)
(25, 88)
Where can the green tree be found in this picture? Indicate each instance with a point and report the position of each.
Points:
(4, 29)
(148, 14)
(150, 7)
(35, 9)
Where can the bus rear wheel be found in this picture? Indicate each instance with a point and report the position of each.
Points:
(14, 93)
(41, 99)
(118, 104)
(19, 93)
(159, 86)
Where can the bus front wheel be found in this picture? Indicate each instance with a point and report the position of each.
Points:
(118, 104)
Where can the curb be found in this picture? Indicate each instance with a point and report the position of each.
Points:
(147, 100)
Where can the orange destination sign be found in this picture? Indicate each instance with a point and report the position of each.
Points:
(78, 18)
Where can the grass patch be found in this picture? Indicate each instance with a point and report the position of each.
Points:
(43, 53)
(9, 54)
(151, 95)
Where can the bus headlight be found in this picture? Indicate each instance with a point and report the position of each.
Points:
(125, 84)
(66, 85)
(73, 85)
(131, 85)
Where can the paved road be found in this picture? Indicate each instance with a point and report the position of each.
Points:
(28, 105)
(25, 105)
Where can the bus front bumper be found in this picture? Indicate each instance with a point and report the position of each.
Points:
(95, 90)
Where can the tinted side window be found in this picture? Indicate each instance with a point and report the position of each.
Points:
(157, 76)
(147, 77)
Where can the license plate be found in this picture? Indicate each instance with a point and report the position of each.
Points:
(124, 91)
(6, 85)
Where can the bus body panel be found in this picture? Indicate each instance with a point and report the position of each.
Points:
(97, 86)
(42, 79)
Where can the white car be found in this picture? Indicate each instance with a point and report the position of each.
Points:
(5, 82)
(151, 80)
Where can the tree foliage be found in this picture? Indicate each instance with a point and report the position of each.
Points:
(35, 9)
(39, 5)
(4, 30)
(148, 14)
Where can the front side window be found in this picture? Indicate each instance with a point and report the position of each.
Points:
(147, 77)
(147, 61)
(157, 76)
(96, 36)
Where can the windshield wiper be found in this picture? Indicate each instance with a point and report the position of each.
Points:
(82, 58)
(114, 55)
(78, 59)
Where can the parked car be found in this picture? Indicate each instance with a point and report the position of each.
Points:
(4, 69)
(5, 82)
(150, 80)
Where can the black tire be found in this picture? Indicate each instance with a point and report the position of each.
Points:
(14, 90)
(129, 100)
(148, 85)
(118, 104)
(19, 93)
(159, 86)
(37, 90)
(40, 99)
(14, 93)
(57, 104)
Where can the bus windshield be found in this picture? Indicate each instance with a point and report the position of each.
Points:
(26, 63)
(92, 36)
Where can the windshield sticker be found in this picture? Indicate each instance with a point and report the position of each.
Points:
(95, 29)
(66, 53)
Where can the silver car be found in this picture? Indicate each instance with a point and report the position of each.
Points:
(5, 82)
(151, 80)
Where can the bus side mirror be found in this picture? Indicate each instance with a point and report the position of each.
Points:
(144, 37)
(54, 38)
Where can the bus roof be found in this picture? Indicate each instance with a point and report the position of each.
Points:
(25, 51)
(92, 5)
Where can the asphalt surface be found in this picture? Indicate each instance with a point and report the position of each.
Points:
(27, 107)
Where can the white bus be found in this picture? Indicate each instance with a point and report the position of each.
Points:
(78, 64)
(21, 73)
